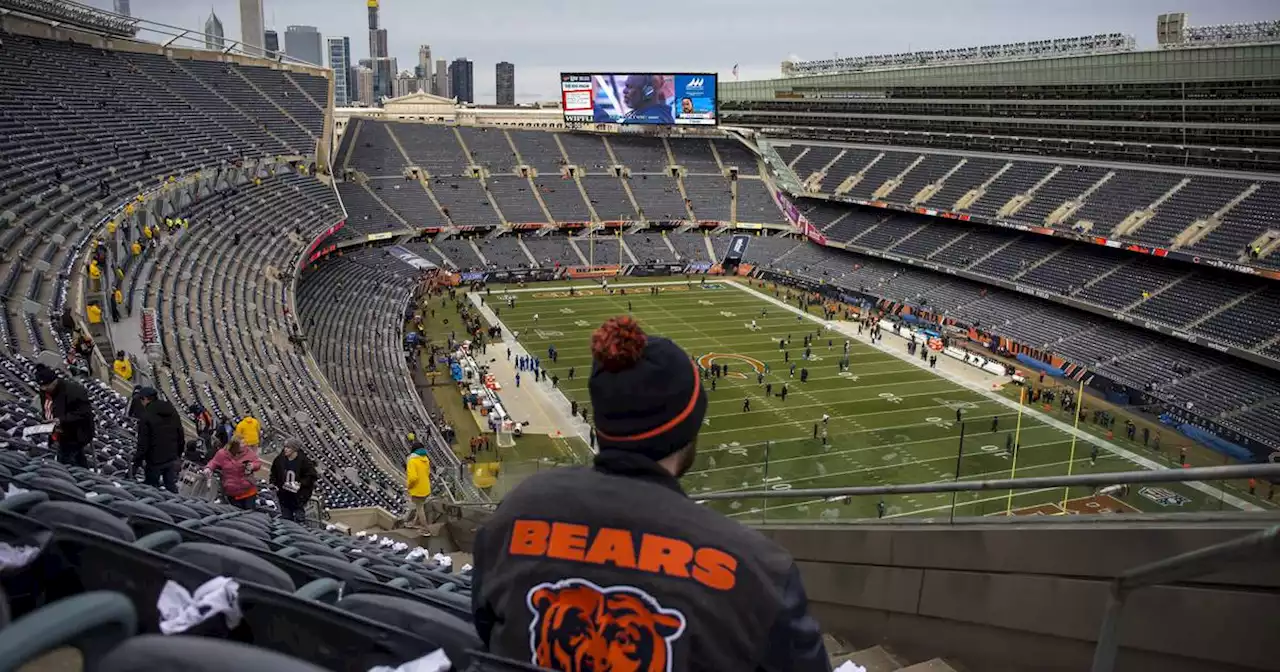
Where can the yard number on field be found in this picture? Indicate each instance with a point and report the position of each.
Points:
(891, 397)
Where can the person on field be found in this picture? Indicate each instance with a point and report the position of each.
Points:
(571, 550)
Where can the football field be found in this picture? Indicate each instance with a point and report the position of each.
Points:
(891, 421)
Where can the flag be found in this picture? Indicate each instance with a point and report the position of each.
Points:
(735, 70)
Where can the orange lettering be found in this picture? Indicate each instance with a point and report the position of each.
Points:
(568, 541)
(714, 568)
(613, 546)
(529, 537)
(662, 555)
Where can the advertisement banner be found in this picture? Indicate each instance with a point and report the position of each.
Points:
(737, 247)
(649, 270)
(652, 99)
(521, 275)
(579, 272)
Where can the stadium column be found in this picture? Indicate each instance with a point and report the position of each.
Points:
(1017, 440)
(1071, 459)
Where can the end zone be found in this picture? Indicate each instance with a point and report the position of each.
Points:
(1097, 504)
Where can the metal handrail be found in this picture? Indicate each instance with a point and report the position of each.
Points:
(1265, 471)
(1169, 570)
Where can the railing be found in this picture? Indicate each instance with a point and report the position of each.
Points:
(1052, 491)
(1177, 568)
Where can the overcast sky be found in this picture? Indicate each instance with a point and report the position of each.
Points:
(544, 37)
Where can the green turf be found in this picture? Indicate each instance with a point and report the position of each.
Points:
(891, 422)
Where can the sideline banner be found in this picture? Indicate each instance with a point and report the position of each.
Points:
(579, 272)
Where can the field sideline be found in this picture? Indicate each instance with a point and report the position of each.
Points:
(891, 421)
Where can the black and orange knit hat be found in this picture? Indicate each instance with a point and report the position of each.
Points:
(646, 395)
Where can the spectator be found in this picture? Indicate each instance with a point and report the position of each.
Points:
(160, 441)
(417, 477)
(203, 419)
(249, 431)
(122, 366)
(294, 476)
(237, 463)
(623, 537)
(66, 405)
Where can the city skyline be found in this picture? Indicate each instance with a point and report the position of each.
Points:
(525, 34)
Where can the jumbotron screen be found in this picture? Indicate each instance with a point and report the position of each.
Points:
(651, 99)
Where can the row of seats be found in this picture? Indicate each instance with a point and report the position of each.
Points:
(383, 151)
(1113, 193)
(1227, 307)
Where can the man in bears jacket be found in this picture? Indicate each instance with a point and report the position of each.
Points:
(614, 567)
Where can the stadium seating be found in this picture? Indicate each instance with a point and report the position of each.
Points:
(1111, 194)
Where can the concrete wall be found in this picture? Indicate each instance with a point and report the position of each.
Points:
(1015, 595)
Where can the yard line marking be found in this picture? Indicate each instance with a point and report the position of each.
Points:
(1009, 403)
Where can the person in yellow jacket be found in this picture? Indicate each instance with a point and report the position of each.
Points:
(146, 231)
(122, 366)
(417, 476)
(94, 312)
(136, 248)
(249, 430)
(95, 276)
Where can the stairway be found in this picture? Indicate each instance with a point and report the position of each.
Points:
(711, 250)
(476, 248)
(878, 659)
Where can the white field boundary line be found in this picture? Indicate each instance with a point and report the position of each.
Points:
(596, 286)
(557, 402)
(844, 328)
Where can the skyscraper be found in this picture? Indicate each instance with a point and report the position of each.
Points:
(251, 26)
(462, 80)
(303, 43)
(122, 7)
(440, 83)
(424, 66)
(271, 43)
(384, 70)
(364, 83)
(213, 33)
(506, 81)
(340, 62)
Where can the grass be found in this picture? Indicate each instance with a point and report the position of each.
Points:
(891, 421)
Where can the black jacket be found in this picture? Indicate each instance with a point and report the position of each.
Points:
(69, 404)
(160, 435)
(306, 475)
(574, 552)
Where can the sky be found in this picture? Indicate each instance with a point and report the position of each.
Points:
(545, 37)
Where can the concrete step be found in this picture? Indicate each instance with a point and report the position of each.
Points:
(874, 659)
(935, 665)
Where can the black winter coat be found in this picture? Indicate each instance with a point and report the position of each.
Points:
(69, 404)
(305, 473)
(160, 436)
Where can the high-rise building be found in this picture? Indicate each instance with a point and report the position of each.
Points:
(271, 43)
(364, 84)
(440, 82)
(406, 83)
(340, 62)
(213, 39)
(303, 43)
(424, 65)
(506, 82)
(384, 77)
(251, 26)
(384, 69)
(462, 80)
(122, 7)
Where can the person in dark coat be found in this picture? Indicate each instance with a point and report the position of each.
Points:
(160, 441)
(65, 404)
(294, 476)
(571, 552)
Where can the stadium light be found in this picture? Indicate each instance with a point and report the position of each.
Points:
(1108, 43)
(1257, 32)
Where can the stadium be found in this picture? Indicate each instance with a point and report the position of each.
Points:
(989, 338)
